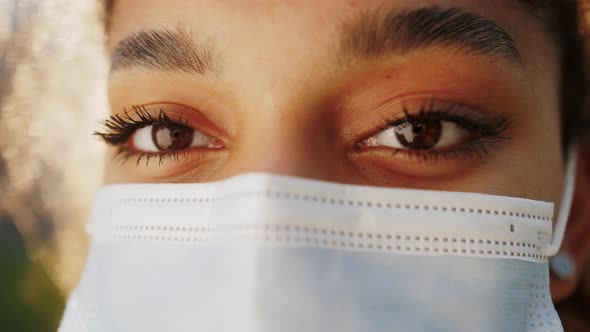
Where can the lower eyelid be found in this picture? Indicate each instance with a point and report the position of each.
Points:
(390, 164)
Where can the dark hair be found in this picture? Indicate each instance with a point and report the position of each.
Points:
(564, 21)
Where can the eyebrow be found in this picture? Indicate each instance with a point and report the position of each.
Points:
(373, 34)
(164, 50)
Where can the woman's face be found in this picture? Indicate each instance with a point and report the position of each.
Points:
(433, 94)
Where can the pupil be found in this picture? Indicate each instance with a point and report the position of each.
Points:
(417, 128)
(419, 135)
(172, 137)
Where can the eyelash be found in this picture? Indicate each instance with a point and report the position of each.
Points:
(119, 128)
(487, 131)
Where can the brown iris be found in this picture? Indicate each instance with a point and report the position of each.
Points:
(172, 136)
(419, 134)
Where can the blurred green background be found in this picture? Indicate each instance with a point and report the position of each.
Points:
(29, 300)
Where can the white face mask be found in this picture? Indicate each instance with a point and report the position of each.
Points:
(262, 252)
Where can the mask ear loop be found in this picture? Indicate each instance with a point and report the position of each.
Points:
(566, 202)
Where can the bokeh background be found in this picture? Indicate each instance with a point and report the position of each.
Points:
(52, 96)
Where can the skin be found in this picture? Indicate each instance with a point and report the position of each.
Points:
(283, 102)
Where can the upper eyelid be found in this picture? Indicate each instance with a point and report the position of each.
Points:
(446, 109)
(443, 109)
(407, 115)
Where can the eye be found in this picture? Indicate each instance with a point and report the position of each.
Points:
(420, 134)
(431, 129)
(170, 137)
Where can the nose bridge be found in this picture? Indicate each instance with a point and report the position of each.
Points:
(277, 142)
(281, 128)
(294, 140)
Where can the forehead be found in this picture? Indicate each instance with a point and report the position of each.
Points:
(287, 20)
(271, 47)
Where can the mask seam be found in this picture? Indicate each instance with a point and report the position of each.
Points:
(330, 201)
(297, 235)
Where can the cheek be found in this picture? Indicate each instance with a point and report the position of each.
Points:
(540, 160)
(534, 166)
(542, 152)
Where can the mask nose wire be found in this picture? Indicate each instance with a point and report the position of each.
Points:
(566, 202)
